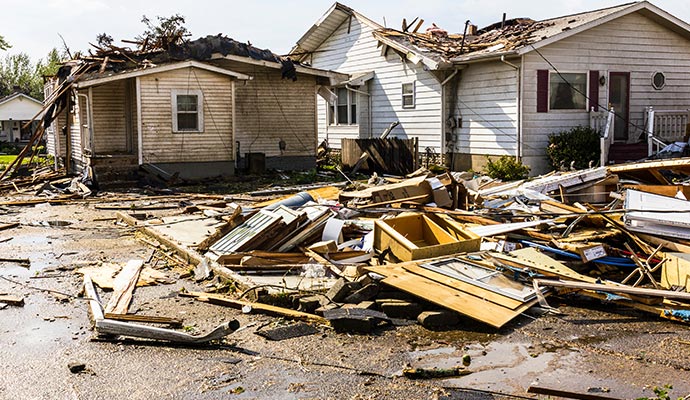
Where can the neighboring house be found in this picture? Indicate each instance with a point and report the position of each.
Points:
(194, 117)
(15, 111)
(504, 89)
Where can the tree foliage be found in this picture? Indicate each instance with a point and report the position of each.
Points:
(3, 44)
(169, 31)
(18, 72)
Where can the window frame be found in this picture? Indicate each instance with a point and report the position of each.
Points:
(352, 101)
(199, 109)
(654, 85)
(412, 95)
(585, 92)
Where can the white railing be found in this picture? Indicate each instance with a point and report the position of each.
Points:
(603, 121)
(664, 127)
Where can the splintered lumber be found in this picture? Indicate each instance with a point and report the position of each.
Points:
(667, 294)
(25, 262)
(152, 319)
(258, 307)
(567, 394)
(106, 326)
(477, 308)
(123, 287)
(8, 226)
(119, 328)
(231, 222)
(12, 300)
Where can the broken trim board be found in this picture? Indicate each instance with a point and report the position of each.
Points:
(123, 287)
(666, 294)
(492, 230)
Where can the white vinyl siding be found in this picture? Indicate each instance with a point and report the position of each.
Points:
(487, 109)
(632, 43)
(357, 52)
(160, 144)
(110, 117)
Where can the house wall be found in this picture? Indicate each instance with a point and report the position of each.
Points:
(632, 43)
(110, 118)
(160, 144)
(357, 51)
(269, 109)
(482, 113)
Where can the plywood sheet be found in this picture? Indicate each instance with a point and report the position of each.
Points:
(453, 299)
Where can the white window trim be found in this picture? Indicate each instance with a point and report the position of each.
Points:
(199, 106)
(403, 95)
(333, 107)
(586, 94)
(655, 86)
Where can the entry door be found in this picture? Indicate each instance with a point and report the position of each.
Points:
(619, 97)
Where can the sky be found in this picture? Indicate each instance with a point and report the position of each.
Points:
(34, 26)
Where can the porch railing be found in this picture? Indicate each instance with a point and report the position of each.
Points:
(664, 127)
(603, 121)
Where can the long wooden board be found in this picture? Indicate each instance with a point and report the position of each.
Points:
(453, 299)
(535, 260)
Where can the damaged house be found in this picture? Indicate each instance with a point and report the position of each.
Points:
(198, 110)
(503, 89)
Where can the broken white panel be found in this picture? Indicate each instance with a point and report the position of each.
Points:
(491, 230)
(656, 214)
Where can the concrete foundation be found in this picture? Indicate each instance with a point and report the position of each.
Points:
(199, 170)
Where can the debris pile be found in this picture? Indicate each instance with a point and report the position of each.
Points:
(438, 249)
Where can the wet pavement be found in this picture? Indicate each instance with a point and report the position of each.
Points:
(591, 347)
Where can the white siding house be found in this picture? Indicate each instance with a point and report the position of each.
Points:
(502, 90)
(343, 40)
(16, 110)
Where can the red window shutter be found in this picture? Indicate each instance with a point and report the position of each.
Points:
(542, 90)
(594, 90)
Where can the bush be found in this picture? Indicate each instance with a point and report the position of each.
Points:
(579, 145)
(506, 168)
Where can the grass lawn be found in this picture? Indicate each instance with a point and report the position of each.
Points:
(6, 159)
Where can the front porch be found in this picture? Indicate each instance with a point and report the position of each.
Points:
(662, 128)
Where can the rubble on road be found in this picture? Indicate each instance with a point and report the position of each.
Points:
(423, 247)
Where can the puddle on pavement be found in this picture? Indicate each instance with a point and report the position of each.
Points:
(495, 366)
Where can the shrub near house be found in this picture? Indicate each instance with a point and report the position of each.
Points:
(578, 146)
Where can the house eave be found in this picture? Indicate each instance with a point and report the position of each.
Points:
(334, 76)
(412, 55)
(159, 69)
(469, 59)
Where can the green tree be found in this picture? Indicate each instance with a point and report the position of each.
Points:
(18, 72)
(3, 44)
(168, 31)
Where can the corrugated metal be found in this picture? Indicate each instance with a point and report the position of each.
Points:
(160, 144)
(241, 235)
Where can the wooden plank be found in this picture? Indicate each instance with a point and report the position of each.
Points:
(538, 261)
(568, 394)
(464, 303)
(153, 319)
(463, 286)
(666, 294)
(12, 300)
(123, 287)
(258, 307)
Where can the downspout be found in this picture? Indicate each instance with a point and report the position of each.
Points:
(518, 97)
(140, 133)
(444, 115)
(350, 88)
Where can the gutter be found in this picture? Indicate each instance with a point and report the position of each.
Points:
(518, 81)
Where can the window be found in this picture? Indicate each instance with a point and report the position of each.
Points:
(344, 110)
(408, 99)
(658, 80)
(187, 111)
(567, 91)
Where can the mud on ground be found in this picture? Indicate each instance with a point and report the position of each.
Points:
(590, 347)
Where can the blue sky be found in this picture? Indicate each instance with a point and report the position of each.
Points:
(32, 26)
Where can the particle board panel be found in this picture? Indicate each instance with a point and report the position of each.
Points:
(453, 299)
(463, 286)
(535, 260)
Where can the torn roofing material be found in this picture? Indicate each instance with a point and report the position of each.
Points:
(514, 36)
